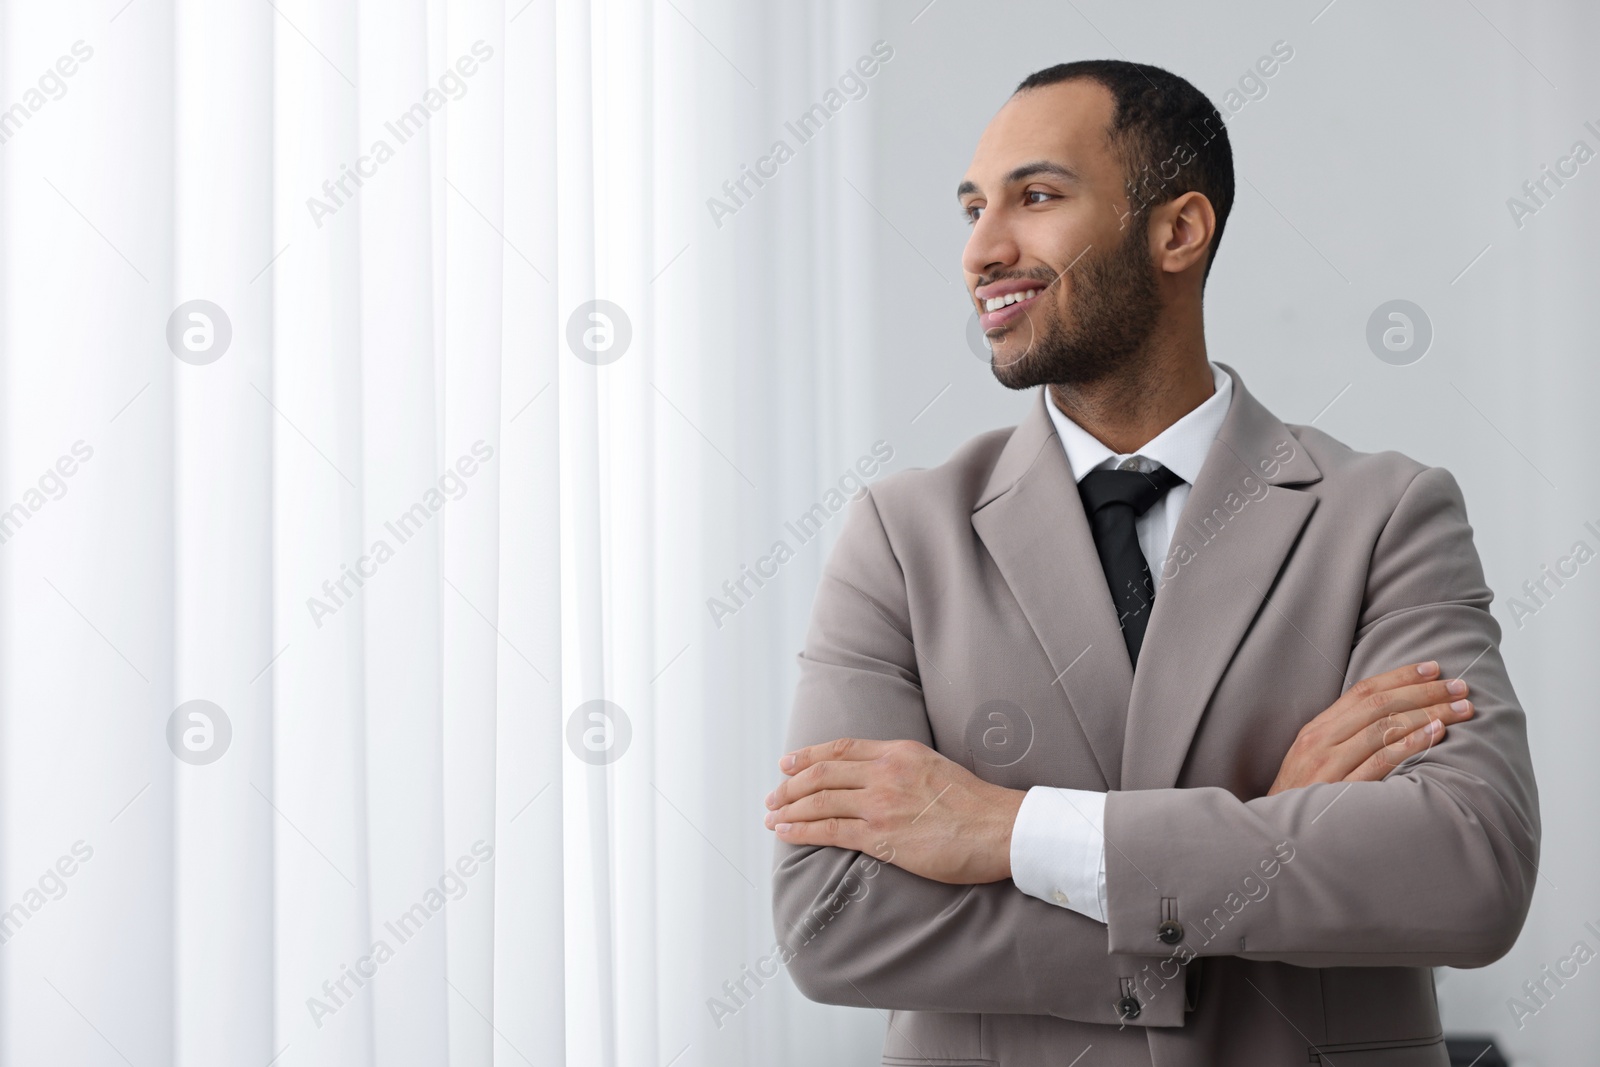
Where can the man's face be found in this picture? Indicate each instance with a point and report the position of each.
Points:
(1048, 203)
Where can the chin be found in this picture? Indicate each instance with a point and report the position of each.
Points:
(1015, 366)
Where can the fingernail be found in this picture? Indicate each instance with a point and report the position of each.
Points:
(782, 827)
(768, 820)
(1459, 705)
(1428, 667)
(1434, 726)
(1456, 686)
(770, 796)
(788, 763)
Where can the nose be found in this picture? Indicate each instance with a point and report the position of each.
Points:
(990, 248)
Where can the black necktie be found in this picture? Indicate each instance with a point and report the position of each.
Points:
(1112, 500)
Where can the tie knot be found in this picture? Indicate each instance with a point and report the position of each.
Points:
(1134, 489)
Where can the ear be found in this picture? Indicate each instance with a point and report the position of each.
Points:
(1181, 232)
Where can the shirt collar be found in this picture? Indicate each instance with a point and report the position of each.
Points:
(1181, 447)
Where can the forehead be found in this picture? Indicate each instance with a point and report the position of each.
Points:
(1064, 123)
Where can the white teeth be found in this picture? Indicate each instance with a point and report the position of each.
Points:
(1010, 298)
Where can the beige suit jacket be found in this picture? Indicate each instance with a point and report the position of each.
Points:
(964, 607)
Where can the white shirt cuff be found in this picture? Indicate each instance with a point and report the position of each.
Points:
(1058, 849)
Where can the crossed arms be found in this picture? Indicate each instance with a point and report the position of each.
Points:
(891, 900)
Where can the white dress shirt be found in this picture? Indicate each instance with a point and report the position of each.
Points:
(1058, 848)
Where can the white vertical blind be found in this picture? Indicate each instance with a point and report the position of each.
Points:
(396, 530)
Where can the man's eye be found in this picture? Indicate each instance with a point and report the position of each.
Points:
(1039, 193)
(972, 213)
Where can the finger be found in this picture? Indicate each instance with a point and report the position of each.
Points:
(833, 774)
(1392, 728)
(1341, 719)
(839, 833)
(1375, 707)
(1410, 674)
(823, 804)
(1390, 756)
(844, 748)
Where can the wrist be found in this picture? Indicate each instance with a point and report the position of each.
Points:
(1006, 805)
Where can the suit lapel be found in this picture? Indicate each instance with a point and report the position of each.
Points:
(1235, 533)
(1031, 519)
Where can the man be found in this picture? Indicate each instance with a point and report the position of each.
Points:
(1143, 727)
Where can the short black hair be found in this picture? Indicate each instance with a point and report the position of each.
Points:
(1160, 122)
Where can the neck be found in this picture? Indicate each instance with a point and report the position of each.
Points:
(1125, 410)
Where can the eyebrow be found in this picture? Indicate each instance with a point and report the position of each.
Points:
(1026, 170)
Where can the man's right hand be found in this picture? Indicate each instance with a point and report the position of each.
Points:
(1379, 722)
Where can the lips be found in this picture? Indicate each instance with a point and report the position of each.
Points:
(990, 320)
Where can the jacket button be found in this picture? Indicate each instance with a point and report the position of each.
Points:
(1170, 932)
(1129, 1007)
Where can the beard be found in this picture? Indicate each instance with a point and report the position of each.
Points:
(1113, 308)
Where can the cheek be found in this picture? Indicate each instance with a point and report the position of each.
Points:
(1088, 234)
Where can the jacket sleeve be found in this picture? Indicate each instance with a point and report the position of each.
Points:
(1434, 865)
(866, 933)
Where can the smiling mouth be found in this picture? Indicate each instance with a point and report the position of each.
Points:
(1001, 310)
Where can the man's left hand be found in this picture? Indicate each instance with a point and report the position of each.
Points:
(900, 802)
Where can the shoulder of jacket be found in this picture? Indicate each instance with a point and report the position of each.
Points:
(953, 485)
(1387, 473)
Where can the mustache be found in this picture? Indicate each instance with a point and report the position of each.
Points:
(1054, 278)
